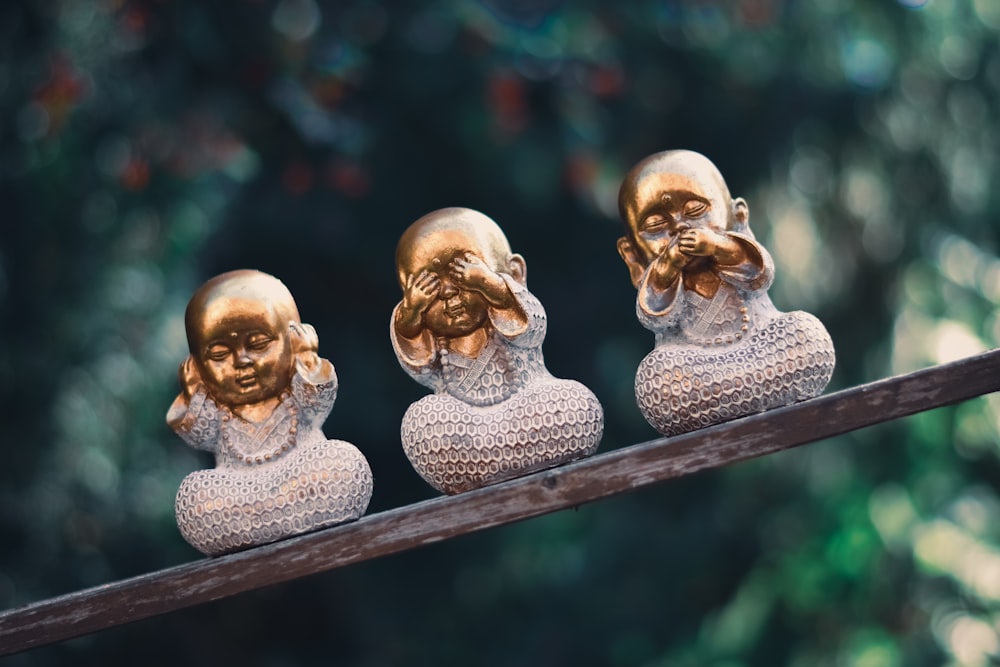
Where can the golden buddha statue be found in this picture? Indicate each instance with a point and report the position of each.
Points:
(469, 329)
(255, 394)
(722, 350)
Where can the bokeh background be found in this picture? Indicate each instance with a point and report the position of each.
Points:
(146, 145)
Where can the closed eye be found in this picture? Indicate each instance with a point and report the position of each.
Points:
(695, 209)
(654, 222)
(217, 352)
(259, 343)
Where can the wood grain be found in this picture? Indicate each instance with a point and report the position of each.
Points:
(409, 527)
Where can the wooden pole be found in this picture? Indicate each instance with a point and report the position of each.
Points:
(409, 527)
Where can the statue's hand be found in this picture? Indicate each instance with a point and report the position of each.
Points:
(698, 242)
(667, 268)
(305, 344)
(303, 337)
(421, 290)
(470, 272)
(190, 377)
(418, 294)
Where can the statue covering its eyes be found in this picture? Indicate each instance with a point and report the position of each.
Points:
(469, 329)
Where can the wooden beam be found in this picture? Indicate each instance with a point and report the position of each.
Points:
(409, 527)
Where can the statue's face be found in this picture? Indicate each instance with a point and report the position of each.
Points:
(456, 311)
(243, 351)
(665, 204)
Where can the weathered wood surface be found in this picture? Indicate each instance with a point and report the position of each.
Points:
(442, 518)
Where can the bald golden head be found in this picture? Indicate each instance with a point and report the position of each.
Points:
(238, 332)
(679, 170)
(666, 193)
(434, 240)
(228, 294)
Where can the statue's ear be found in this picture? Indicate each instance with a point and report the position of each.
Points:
(741, 213)
(518, 269)
(635, 265)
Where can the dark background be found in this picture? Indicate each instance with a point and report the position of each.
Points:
(148, 145)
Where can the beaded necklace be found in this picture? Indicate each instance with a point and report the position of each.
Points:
(258, 458)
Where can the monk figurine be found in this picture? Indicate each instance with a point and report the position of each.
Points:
(255, 394)
(722, 350)
(469, 329)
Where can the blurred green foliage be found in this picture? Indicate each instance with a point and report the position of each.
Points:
(146, 145)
